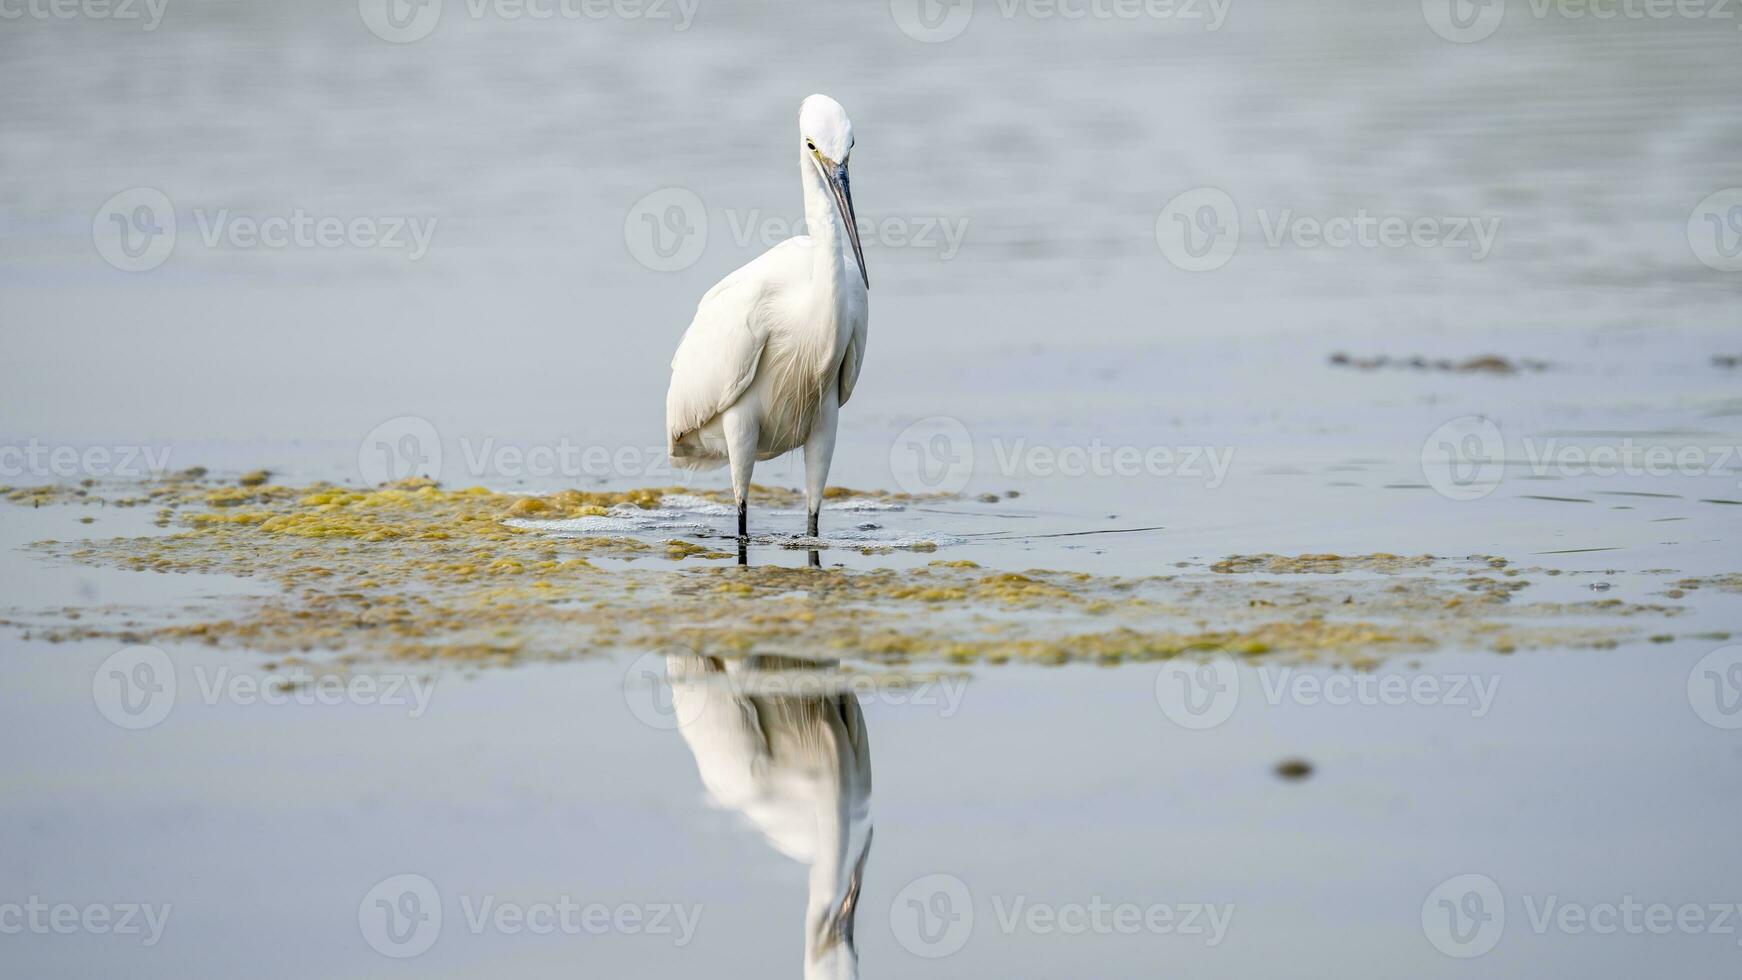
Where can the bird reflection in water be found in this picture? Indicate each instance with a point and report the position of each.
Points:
(782, 742)
(814, 558)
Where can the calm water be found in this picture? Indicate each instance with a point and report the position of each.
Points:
(1055, 321)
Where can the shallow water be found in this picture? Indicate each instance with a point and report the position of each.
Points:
(1596, 765)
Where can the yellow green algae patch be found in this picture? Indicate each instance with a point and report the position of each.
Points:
(1730, 582)
(1324, 564)
(414, 570)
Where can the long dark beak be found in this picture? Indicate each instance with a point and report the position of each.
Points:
(836, 178)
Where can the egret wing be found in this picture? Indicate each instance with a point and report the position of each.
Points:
(850, 363)
(717, 358)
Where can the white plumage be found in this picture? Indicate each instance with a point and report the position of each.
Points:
(798, 767)
(775, 347)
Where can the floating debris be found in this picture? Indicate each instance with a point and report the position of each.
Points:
(1482, 364)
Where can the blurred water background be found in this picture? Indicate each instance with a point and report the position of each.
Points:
(1053, 145)
(1054, 142)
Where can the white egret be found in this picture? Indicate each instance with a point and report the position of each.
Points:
(775, 347)
(798, 767)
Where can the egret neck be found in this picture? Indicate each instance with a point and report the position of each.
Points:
(831, 265)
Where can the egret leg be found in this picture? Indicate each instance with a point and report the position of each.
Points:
(819, 450)
(739, 423)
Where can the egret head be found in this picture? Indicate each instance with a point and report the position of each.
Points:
(826, 135)
(830, 951)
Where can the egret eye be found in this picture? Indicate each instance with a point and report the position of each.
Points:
(808, 143)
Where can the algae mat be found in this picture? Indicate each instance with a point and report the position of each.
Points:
(416, 571)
